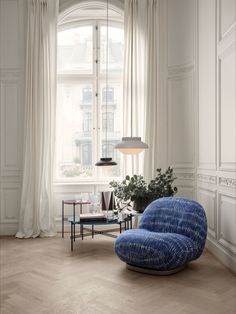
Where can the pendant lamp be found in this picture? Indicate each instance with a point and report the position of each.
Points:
(131, 145)
(106, 161)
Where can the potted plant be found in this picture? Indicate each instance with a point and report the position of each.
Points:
(134, 190)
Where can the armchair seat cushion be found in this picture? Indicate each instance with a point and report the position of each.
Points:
(154, 250)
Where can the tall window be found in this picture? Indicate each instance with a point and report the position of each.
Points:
(83, 117)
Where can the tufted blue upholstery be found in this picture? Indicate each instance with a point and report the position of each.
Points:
(172, 232)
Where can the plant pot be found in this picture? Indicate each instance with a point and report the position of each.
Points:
(140, 205)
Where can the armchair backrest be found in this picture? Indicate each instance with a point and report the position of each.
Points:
(176, 215)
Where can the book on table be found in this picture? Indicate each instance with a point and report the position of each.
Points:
(92, 216)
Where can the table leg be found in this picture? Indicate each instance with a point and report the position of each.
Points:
(92, 231)
(81, 229)
(131, 225)
(74, 219)
(82, 233)
(62, 220)
(120, 226)
(71, 236)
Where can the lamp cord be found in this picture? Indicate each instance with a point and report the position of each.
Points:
(131, 64)
(106, 77)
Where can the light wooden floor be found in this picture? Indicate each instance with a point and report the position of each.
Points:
(43, 276)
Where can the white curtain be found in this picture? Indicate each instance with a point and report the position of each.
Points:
(36, 212)
(144, 33)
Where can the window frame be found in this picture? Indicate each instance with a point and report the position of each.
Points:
(96, 79)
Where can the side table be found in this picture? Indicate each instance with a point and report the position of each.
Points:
(74, 203)
(97, 222)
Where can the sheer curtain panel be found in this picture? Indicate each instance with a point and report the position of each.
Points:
(151, 134)
(36, 212)
(144, 71)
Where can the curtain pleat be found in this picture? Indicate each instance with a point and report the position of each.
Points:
(36, 212)
(144, 33)
(151, 113)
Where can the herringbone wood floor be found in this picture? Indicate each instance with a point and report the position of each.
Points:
(43, 276)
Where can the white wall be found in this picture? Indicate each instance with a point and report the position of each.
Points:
(11, 111)
(216, 168)
(198, 105)
(178, 91)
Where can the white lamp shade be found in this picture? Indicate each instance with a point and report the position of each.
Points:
(131, 145)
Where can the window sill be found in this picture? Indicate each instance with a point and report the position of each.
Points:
(76, 183)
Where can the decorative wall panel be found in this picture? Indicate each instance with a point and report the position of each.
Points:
(207, 178)
(11, 127)
(227, 222)
(9, 34)
(207, 198)
(227, 108)
(10, 202)
(207, 85)
(181, 122)
(180, 30)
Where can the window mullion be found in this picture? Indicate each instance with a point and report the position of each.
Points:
(96, 99)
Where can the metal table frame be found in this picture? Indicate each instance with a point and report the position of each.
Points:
(127, 223)
(74, 203)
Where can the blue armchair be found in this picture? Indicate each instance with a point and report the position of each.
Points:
(171, 233)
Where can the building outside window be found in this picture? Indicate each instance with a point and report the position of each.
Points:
(108, 121)
(109, 93)
(87, 95)
(87, 122)
(84, 115)
(86, 154)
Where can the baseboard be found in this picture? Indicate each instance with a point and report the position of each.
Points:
(8, 229)
(11, 229)
(220, 253)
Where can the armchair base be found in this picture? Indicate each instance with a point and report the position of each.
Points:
(152, 271)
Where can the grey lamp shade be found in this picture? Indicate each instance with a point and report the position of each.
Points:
(106, 162)
(131, 145)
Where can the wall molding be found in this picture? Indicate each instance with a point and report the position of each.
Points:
(10, 74)
(207, 178)
(228, 182)
(207, 166)
(185, 176)
(8, 229)
(229, 32)
(231, 27)
(179, 70)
